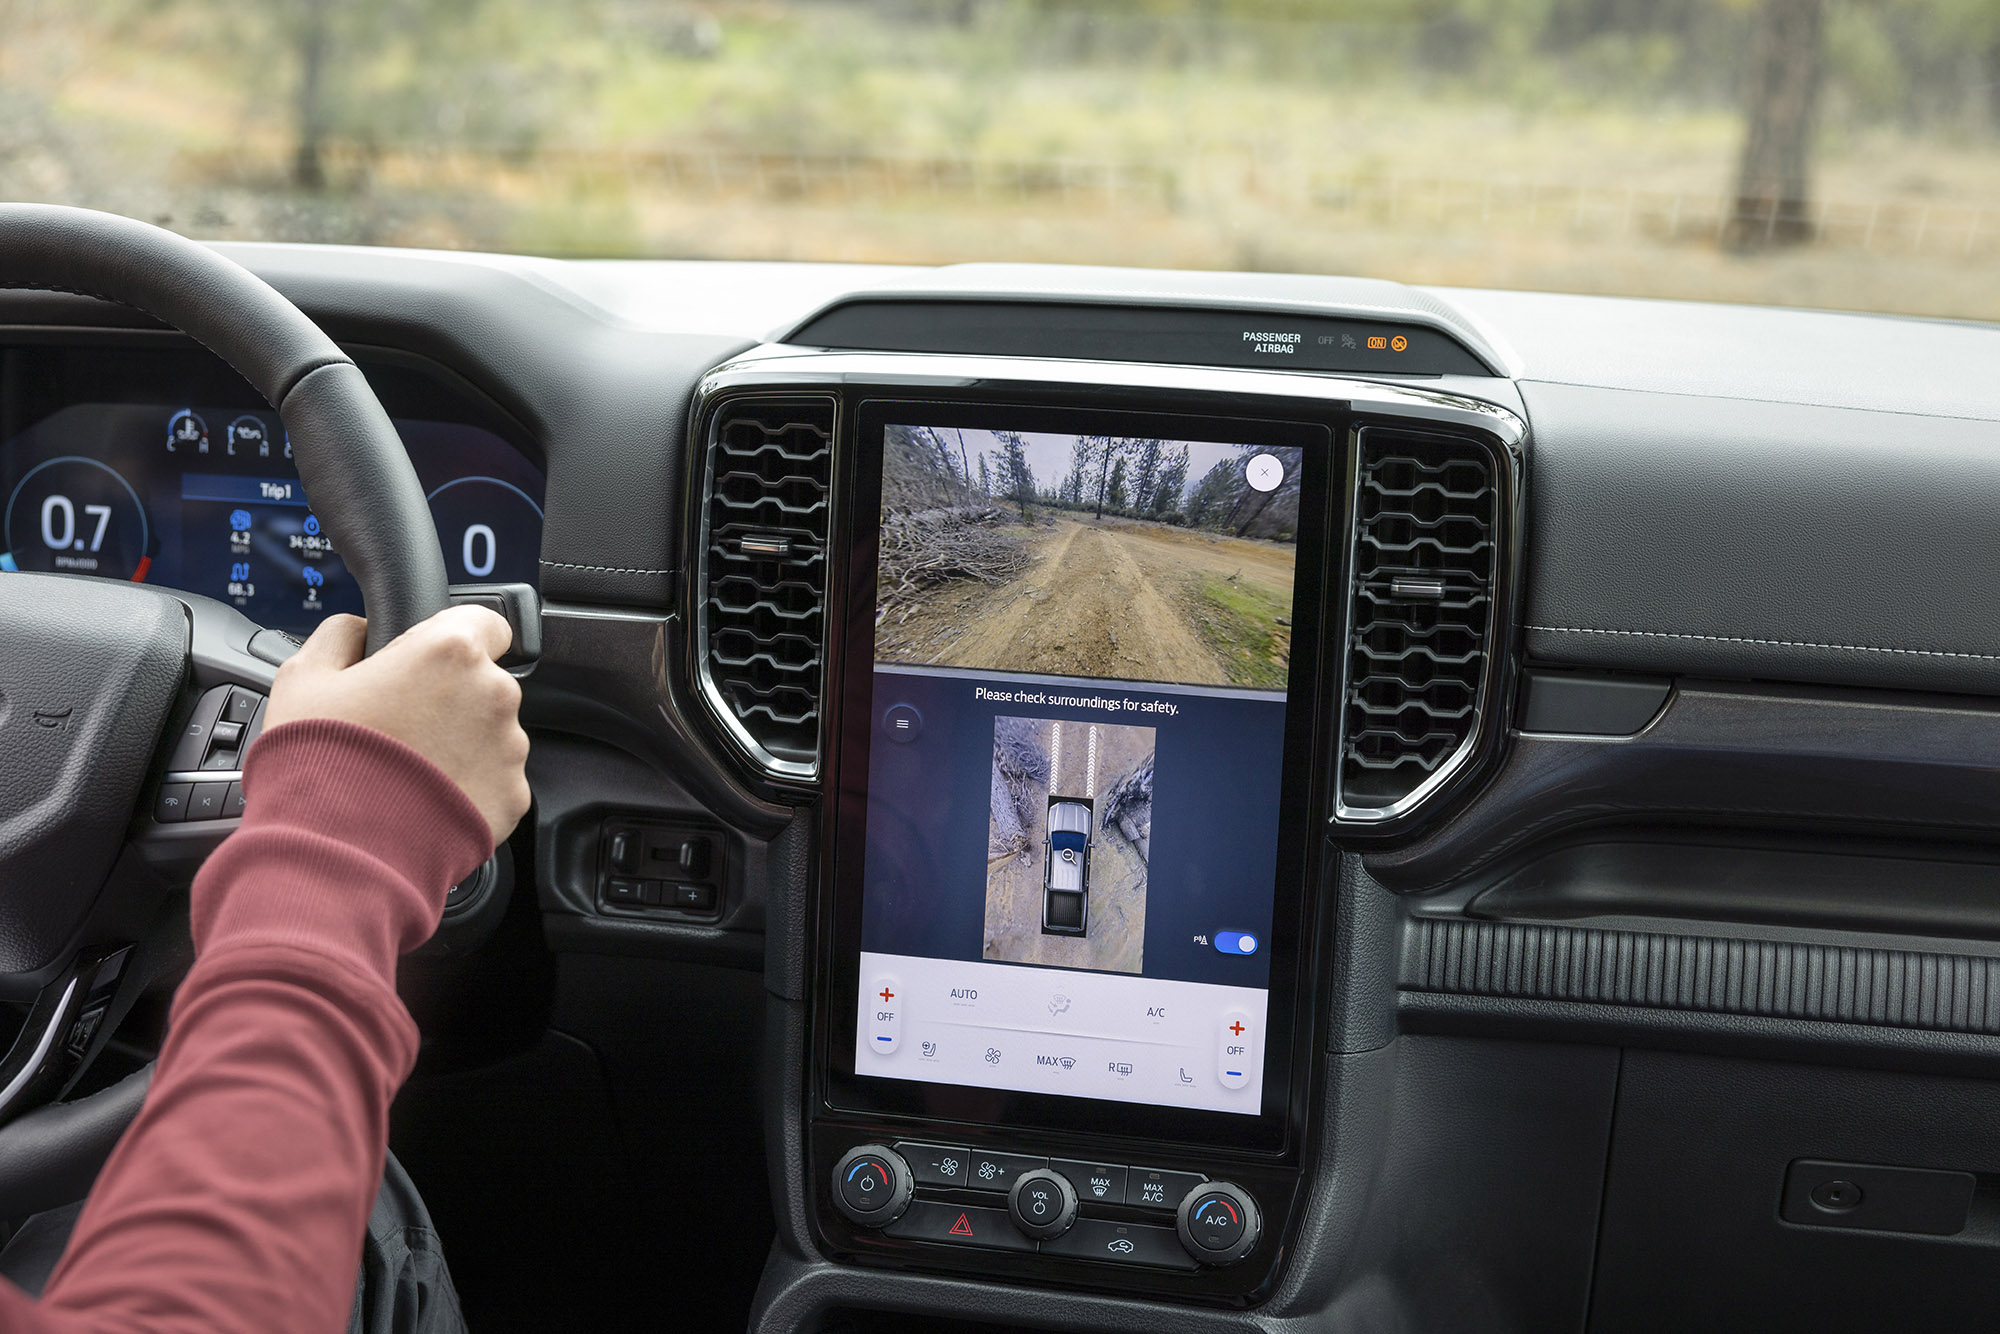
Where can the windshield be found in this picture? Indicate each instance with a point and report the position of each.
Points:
(1839, 153)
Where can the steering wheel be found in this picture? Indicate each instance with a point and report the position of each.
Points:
(98, 678)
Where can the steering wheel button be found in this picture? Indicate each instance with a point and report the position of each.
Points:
(274, 646)
(194, 737)
(206, 802)
(170, 807)
(241, 706)
(232, 805)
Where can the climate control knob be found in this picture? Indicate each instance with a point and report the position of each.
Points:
(872, 1185)
(1219, 1223)
(1042, 1203)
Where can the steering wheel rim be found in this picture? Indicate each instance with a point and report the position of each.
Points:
(349, 457)
(93, 669)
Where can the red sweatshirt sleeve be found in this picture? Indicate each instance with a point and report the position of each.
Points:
(238, 1199)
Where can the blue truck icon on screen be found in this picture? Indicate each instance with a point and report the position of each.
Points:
(1066, 869)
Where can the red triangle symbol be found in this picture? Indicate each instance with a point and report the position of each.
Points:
(962, 1228)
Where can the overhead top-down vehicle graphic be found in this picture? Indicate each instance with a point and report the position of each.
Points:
(1225, 668)
(1066, 869)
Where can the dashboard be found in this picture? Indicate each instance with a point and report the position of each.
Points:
(148, 465)
(1243, 801)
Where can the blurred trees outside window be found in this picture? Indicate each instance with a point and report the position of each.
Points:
(1821, 152)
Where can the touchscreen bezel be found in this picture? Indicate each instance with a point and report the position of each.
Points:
(1292, 993)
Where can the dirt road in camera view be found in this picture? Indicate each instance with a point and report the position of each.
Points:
(1114, 599)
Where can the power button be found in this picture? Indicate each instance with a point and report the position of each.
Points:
(872, 1185)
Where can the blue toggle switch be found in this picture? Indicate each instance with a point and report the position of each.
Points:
(1235, 942)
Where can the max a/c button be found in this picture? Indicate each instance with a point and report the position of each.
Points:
(964, 1225)
(1152, 1189)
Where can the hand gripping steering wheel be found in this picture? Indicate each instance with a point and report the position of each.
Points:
(95, 673)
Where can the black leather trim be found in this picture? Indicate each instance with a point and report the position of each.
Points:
(88, 673)
(369, 497)
(1682, 534)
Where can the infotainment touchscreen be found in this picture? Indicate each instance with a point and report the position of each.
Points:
(1082, 655)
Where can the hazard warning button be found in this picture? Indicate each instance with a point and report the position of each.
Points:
(959, 1225)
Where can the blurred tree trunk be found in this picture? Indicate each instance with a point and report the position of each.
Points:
(308, 167)
(1993, 81)
(1773, 185)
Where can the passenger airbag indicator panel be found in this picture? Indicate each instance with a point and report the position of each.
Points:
(1122, 333)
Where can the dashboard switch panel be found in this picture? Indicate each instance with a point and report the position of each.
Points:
(1159, 1225)
(672, 868)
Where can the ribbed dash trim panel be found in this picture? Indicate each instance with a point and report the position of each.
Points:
(1779, 979)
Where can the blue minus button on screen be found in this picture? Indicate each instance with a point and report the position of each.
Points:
(1235, 942)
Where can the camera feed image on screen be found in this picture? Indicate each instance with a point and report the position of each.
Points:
(1135, 560)
(1082, 645)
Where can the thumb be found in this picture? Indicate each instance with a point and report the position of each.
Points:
(337, 645)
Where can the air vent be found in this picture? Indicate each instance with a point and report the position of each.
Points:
(762, 631)
(1421, 616)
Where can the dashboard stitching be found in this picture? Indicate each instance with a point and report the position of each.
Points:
(1772, 643)
(602, 569)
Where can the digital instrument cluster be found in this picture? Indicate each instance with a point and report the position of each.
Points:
(206, 498)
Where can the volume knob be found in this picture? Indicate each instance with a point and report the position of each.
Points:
(1043, 1203)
